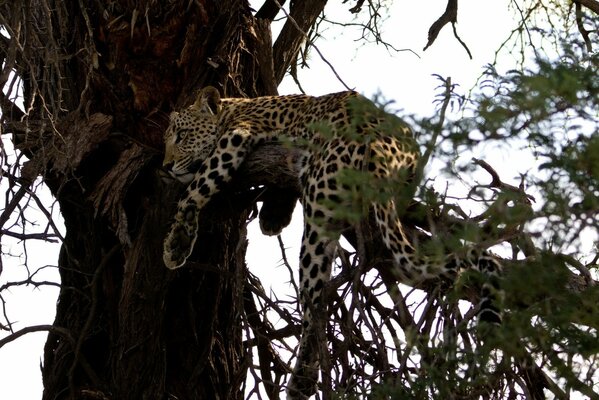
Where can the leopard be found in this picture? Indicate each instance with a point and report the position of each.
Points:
(336, 134)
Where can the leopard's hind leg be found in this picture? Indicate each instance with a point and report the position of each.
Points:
(319, 243)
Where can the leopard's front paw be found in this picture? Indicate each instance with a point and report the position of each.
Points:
(178, 245)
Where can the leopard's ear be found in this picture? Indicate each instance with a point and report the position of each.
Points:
(208, 100)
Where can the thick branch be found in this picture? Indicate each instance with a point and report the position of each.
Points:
(269, 9)
(450, 15)
(592, 5)
(285, 49)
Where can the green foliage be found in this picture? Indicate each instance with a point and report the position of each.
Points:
(549, 336)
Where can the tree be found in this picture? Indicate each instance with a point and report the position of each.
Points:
(98, 81)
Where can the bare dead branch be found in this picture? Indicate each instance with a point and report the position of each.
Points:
(449, 16)
(9, 108)
(46, 237)
(592, 5)
(583, 31)
(269, 9)
(56, 330)
(431, 145)
(36, 328)
(496, 181)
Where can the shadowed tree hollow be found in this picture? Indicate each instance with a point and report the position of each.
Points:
(98, 80)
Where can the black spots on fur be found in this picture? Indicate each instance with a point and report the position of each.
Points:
(337, 117)
(335, 198)
(213, 162)
(319, 284)
(318, 214)
(452, 264)
(204, 190)
(319, 250)
(321, 184)
(403, 261)
(320, 197)
(213, 175)
(203, 168)
(394, 247)
(332, 183)
(314, 271)
(331, 158)
(345, 159)
(226, 157)
(313, 238)
(332, 168)
(223, 143)
(486, 265)
(317, 300)
(319, 172)
(306, 260)
(371, 166)
(361, 149)
(308, 210)
(219, 180)
(236, 140)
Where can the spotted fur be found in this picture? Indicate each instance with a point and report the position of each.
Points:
(208, 141)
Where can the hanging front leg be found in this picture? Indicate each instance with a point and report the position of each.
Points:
(179, 242)
(216, 170)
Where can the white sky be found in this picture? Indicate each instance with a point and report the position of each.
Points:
(401, 76)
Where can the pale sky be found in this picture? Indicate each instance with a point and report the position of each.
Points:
(401, 76)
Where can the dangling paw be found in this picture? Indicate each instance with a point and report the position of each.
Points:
(303, 382)
(276, 210)
(179, 242)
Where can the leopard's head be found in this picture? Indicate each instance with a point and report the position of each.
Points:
(191, 135)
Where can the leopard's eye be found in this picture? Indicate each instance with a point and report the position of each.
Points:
(181, 133)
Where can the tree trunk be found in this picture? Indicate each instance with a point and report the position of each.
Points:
(99, 80)
(133, 329)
